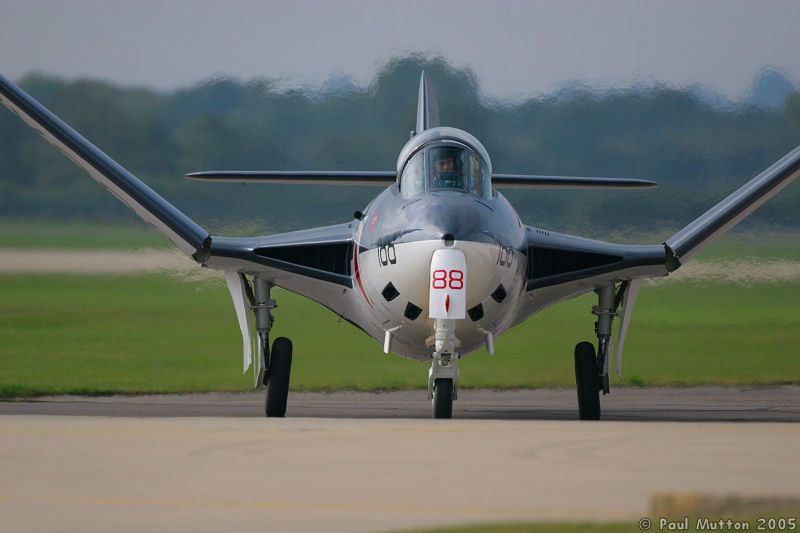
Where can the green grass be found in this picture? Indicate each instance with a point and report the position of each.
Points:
(16, 233)
(102, 334)
(83, 235)
(753, 246)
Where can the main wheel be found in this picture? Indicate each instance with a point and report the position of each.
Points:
(443, 398)
(587, 380)
(280, 367)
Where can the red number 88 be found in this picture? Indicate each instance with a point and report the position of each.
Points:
(441, 281)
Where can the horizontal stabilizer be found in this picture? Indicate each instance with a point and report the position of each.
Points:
(298, 177)
(735, 207)
(387, 177)
(521, 181)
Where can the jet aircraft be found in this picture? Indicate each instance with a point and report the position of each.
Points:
(435, 267)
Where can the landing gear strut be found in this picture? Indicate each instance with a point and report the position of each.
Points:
(443, 375)
(591, 369)
(276, 365)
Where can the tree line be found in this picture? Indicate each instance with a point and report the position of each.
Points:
(697, 151)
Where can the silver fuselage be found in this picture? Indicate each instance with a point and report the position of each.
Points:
(396, 240)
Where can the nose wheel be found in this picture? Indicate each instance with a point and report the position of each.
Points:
(443, 375)
(443, 398)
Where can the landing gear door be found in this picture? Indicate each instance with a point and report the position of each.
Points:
(448, 285)
(236, 286)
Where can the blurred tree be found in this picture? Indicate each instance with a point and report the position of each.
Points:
(697, 150)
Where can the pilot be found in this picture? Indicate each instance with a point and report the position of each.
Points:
(446, 173)
(445, 163)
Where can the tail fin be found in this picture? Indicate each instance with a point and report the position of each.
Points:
(149, 205)
(427, 106)
(719, 219)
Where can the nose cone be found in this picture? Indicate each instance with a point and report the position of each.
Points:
(451, 215)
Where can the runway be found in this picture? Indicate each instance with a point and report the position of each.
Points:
(710, 404)
(374, 462)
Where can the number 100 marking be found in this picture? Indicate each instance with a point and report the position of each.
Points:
(443, 279)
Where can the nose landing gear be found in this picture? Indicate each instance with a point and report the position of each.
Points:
(443, 375)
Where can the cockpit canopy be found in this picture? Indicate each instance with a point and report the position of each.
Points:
(445, 166)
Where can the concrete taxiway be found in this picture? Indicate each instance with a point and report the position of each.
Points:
(753, 404)
(358, 469)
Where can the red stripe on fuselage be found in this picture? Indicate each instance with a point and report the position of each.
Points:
(358, 276)
(356, 270)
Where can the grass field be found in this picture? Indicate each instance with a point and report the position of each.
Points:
(31, 234)
(102, 334)
(81, 235)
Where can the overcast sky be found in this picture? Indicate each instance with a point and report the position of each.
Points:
(515, 47)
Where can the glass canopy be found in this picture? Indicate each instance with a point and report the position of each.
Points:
(442, 167)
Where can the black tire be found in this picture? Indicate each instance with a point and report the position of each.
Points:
(280, 368)
(587, 381)
(443, 398)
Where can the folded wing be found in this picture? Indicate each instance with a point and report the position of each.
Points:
(314, 263)
(144, 201)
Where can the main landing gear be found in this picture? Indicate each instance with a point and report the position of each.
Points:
(587, 381)
(276, 364)
(591, 368)
(443, 375)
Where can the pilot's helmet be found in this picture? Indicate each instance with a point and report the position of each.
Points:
(447, 167)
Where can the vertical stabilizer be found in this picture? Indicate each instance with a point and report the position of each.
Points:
(427, 107)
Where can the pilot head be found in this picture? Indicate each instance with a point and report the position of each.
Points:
(445, 163)
(446, 169)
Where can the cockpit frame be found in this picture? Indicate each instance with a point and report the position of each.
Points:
(463, 164)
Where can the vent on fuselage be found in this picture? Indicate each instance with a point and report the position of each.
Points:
(546, 262)
(499, 294)
(412, 311)
(334, 258)
(476, 313)
(390, 292)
